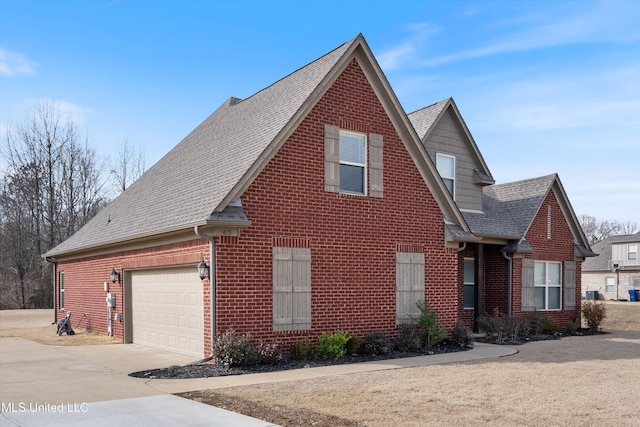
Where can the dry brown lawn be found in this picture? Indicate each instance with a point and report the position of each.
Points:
(575, 381)
(35, 325)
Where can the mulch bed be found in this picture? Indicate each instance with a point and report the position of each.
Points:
(207, 370)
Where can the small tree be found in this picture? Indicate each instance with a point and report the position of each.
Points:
(430, 332)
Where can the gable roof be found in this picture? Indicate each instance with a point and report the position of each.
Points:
(509, 210)
(604, 249)
(425, 120)
(208, 170)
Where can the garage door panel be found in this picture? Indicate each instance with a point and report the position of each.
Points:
(167, 310)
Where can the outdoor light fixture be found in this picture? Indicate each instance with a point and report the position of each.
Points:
(115, 276)
(203, 269)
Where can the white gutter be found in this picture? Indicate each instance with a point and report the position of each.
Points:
(212, 279)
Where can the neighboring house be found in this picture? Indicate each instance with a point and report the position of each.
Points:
(599, 275)
(318, 205)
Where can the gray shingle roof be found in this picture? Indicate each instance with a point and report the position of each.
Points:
(508, 209)
(424, 118)
(193, 180)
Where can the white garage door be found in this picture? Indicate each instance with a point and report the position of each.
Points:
(167, 310)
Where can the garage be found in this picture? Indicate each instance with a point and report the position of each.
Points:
(167, 310)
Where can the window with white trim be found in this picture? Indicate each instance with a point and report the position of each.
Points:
(632, 252)
(469, 282)
(61, 301)
(610, 285)
(547, 285)
(446, 166)
(353, 163)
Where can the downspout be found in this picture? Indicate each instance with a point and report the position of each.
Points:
(509, 282)
(54, 264)
(212, 286)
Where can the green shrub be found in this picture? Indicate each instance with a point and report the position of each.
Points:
(430, 332)
(594, 313)
(408, 338)
(375, 343)
(301, 350)
(332, 345)
(234, 350)
(461, 335)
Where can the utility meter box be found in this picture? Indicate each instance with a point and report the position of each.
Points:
(111, 300)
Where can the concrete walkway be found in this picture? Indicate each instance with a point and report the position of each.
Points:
(89, 385)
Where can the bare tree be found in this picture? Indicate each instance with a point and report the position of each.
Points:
(127, 165)
(597, 231)
(51, 187)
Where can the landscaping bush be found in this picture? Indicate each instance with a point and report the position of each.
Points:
(430, 332)
(375, 343)
(269, 353)
(461, 335)
(408, 338)
(301, 350)
(332, 345)
(594, 313)
(234, 350)
(352, 345)
(572, 326)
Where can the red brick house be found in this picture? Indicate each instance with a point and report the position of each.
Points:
(317, 205)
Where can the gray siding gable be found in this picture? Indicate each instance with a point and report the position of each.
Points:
(442, 130)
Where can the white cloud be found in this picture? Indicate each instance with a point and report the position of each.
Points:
(12, 64)
(602, 24)
(404, 52)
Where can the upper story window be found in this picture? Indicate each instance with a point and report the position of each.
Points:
(353, 163)
(632, 252)
(446, 166)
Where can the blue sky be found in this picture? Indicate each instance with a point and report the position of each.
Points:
(544, 86)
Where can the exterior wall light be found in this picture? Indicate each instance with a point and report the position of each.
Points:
(115, 276)
(203, 269)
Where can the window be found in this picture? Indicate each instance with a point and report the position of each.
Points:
(469, 282)
(353, 163)
(409, 285)
(446, 166)
(610, 285)
(547, 280)
(291, 289)
(632, 252)
(61, 302)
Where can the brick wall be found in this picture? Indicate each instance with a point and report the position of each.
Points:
(353, 239)
(84, 282)
(560, 247)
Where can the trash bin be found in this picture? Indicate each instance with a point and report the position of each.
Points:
(592, 295)
(637, 294)
(633, 295)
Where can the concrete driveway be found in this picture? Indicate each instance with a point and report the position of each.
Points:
(89, 385)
